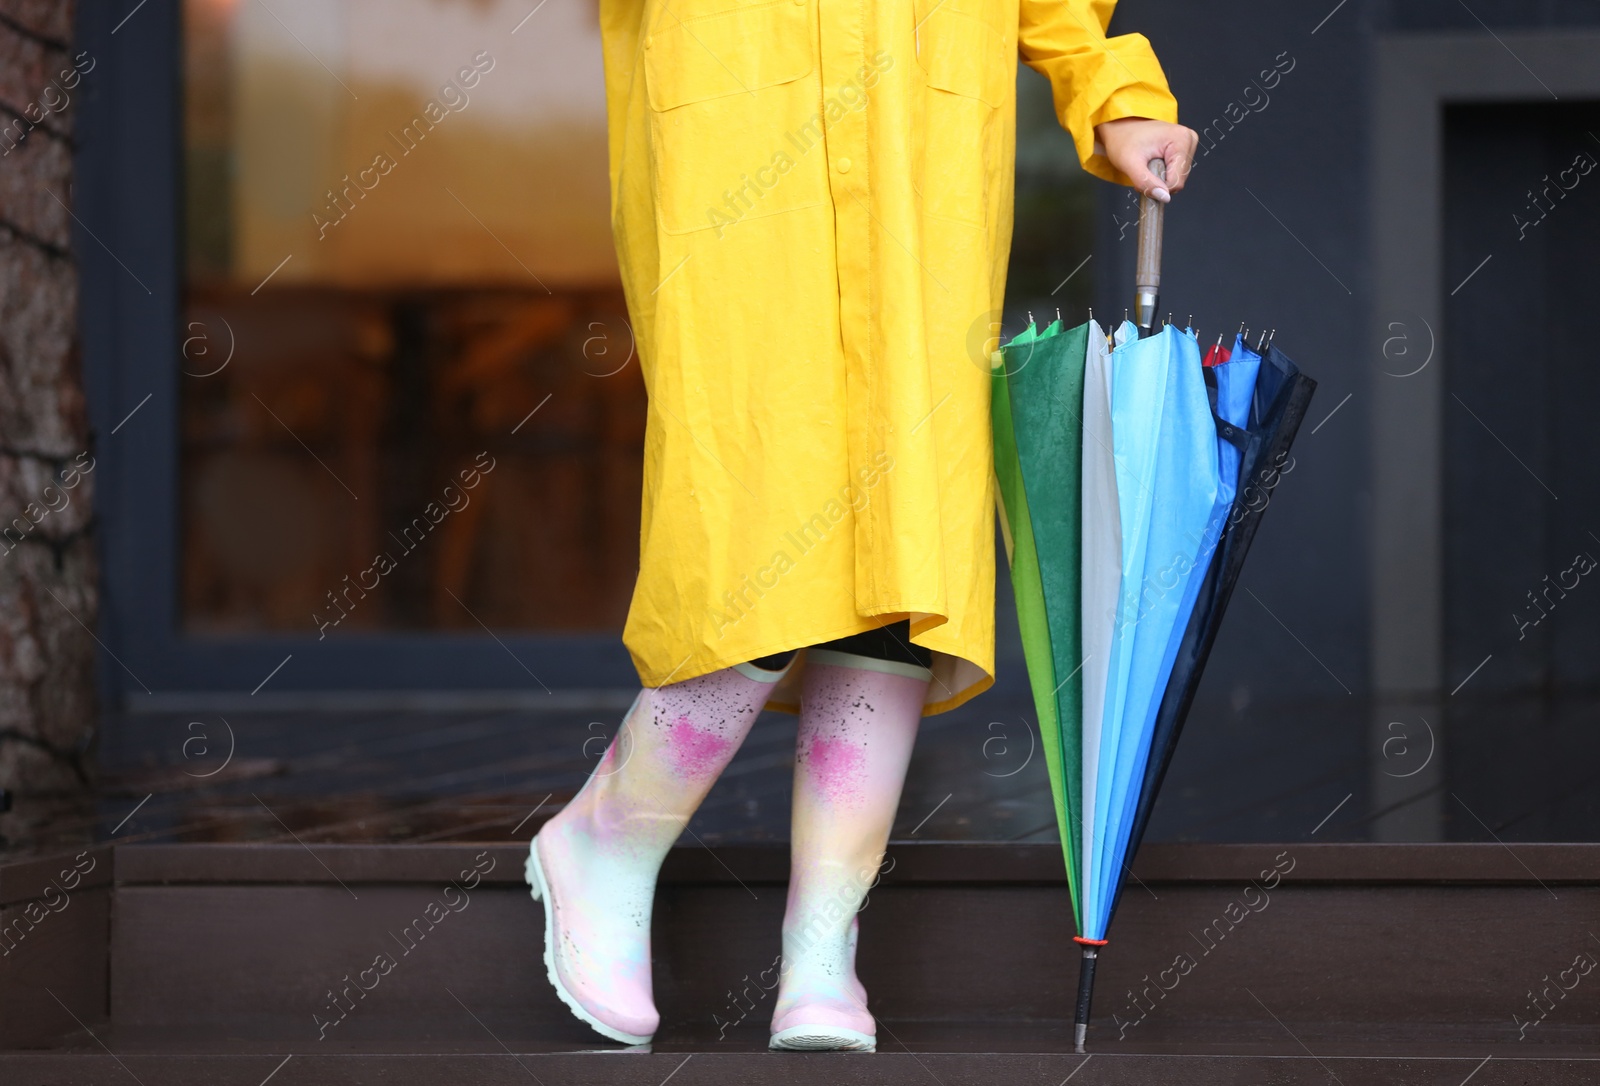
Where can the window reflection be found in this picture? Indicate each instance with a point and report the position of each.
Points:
(400, 269)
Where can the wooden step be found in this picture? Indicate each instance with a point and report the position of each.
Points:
(1391, 963)
(489, 1065)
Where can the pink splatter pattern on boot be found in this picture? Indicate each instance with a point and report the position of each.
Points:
(836, 769)
(696, 752)
(594, 865)
(857, 726)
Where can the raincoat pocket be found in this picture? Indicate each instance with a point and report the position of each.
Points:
(961, 47)
(733, 117)
(962, 54)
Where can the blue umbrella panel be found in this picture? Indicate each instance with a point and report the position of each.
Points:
(1277, 403)
(1164, 443)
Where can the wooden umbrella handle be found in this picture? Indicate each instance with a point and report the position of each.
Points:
(1147, 272)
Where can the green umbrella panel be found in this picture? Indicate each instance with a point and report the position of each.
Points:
(1038, 433)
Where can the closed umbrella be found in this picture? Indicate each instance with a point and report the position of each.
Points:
(1108, 470)
(1257, 402)
(1132, 478)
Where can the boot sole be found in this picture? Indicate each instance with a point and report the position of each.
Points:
(540, 890)
(822, 1039)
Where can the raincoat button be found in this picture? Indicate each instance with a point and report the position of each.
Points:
(842, 165)
(648, 42)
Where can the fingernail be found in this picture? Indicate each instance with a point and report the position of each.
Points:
(1161, 194)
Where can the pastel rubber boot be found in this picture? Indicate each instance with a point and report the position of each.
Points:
(858, 723)
(594, 864)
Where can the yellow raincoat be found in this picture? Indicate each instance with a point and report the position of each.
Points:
(812, 207)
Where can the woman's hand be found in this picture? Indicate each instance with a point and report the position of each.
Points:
(1132, 142)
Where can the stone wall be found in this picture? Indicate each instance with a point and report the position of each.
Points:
(47, 563)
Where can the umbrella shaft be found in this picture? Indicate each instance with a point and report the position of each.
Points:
(1080, 1020)
(1147, 271)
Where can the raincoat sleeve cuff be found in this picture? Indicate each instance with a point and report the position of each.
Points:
(1142, 99)
(1093, 78)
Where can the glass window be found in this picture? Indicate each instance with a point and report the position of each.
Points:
(410, 399)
